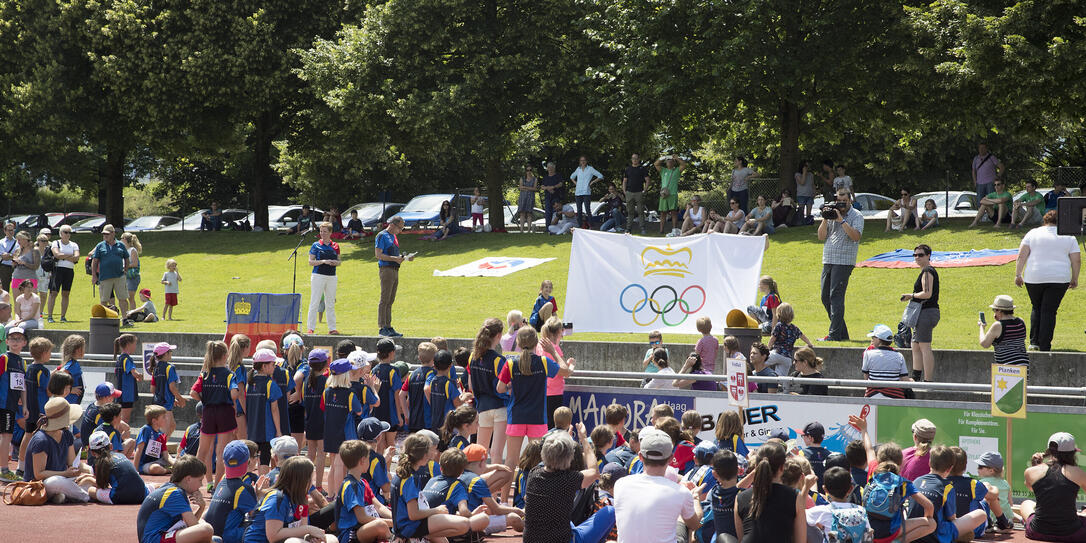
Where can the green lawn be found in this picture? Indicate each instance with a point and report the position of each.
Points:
(213, 264)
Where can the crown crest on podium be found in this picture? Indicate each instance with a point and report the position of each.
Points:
(666, 261)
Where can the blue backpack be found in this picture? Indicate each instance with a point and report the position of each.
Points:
(882, 496)
(850, 526)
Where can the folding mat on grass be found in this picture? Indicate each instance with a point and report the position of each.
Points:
(903, 258)
(494, 266)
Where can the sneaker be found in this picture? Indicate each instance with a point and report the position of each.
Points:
(825, 338)
(393, 333)
(50, 319)
(126, 323)
(58, 498)
(383, 332)
(62, 319)
(1033, 347)
(10, 476)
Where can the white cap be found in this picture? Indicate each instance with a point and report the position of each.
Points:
(98, 440)
(360, 358)
(882, 332)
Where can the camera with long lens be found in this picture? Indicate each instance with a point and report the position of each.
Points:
(832, 211)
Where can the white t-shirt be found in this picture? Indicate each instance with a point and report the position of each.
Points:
(822, 515)
(1049, 256)
(64, 249)
(647, 508)
(662, 383)
(884, 365)
(844, 182)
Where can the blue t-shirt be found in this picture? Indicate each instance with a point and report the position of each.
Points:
(230, 502)
(241, 375)
(320, 251)
(444, 490)
(286, 386)
(125, 380)
(418, 416)
(457, 441)
(941, 494)
(529, 391)
(260, 397)
(37, 390)
(390, 246)
(723, 503)
(56, 453)
(111, 259)
(216, 385)
(275, 506)
(427, 471)
(484, 381)
(368, 398)
(89, 421)
(970, 493)
(403, 492)
(376, 474)
(476, 488)
(311, 402)
(734, 444)
(390, 384)
(11, 363)
(443, 393)
(352, 493)
(73, 367)
(126, 487)
(161, 510)
(148, 435)
(339, 425)
(520, 488)
(114, 436)
(164, 375)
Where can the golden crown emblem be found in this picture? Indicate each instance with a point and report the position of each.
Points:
(666, 261)
(242, 308)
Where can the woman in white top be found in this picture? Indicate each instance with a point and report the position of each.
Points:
(1048, 264)
(26, 306)
(695, 216)
(735, 218)
(903, 209)
(66, 253)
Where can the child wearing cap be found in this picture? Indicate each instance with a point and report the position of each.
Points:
(390, 383)
(816, 454)
(263, 416)
(950, 523)
(73, 348)
(990, 470)
(411, 396)
(282, 448)
(109, 413)
(166, 514)
(340, 402)
(116, 480)
(972, 494)
(702, 477)
(125, 374)
(359, 515)
(164, 382)
(363, 382)
(233, 499)
(411, 517)
(146, 312)
(216, 389)
(882, 363)
(190, 442)
(311, 388)
(478, 478)
(370, 430)
(447, 489)
(442, 393)
(13, 401)
(152, 457)
(92, 417)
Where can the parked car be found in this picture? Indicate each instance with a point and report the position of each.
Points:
(372, 213)
(539, 220)
(56, 220)
(872, 206)
(17, 219)
(151, 222)
(192, 221)
(286, 217)
(93, 224)
(962, 204)
(425, 210)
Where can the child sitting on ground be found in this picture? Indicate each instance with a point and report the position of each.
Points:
(446, 489)
(151, 455)
(233, 498)
(615, 416)
(478, 478)
(166, 514)
(190, 442)
(990, 470)
(145, 312)
(885, 497)
(359, 516)
(115, 478)
(940, 492)
(973, 494)
(691, 425)
(110, 413)
(840, 520)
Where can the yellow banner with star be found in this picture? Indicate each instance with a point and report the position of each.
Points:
(1009, 391)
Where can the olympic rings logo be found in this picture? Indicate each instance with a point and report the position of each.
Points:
(661, 311)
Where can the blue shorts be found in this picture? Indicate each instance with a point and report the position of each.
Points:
(805, 200)
(133, 283)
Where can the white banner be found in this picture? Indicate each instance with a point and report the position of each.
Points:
(763, 417)
(624, 283)
(495, 266)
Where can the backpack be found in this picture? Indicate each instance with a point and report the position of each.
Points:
(882, 496)
(849, 526)
(48, 261)
(87, 266)
(582, 504)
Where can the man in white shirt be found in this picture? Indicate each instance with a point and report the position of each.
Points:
(564, 219)
(584, 176)
(647, 505)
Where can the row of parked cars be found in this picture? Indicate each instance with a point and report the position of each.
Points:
(955, 203)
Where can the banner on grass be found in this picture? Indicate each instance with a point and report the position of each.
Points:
(496, 266)
(903, 258)
(624, 283)
(261, 316)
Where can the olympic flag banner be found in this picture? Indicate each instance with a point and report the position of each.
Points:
(624, 283)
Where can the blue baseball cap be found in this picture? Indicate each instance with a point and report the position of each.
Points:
(704, 451)
(236, 458)
(318, 355)
(340, 366)
(104, 390)
(370, 428)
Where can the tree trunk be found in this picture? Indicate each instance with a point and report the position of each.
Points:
(494, 194)
(112, 188)
(261, 174)
(789, 117)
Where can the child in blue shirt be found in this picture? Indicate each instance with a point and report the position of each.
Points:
(126, 374)
(151, 455)
(284, 511)
(376, 472)
(410, 519)
(233, 498)
(109, 413)
(722, 497)
(13, 402)
(389, 384)
(115, 478)
(359, 515)
(167, 506)
(73, 348)
(447, 489)
(442, 393)
(263, 418)
(164, 383)
(940, 492)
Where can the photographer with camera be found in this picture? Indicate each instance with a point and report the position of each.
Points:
(840, 230)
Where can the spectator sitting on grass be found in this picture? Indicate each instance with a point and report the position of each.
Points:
(996, 204)
(145, 312)
(1027, 209)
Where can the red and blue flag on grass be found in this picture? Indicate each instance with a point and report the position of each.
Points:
(903, 258)
(261, 316)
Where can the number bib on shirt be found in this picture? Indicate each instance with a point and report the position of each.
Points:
(154, 448)
(301, 513)
(18, 381)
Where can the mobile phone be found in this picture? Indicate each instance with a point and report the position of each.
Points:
(567, 325)
(982, 319)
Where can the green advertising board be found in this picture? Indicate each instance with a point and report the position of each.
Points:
(977, 431)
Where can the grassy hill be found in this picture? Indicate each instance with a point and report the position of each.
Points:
(214, 264)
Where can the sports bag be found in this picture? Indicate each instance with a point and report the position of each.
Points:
(25, 493)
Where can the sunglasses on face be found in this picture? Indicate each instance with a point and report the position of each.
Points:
(918, 255)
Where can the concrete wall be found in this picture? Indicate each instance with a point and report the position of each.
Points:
(1048, 369)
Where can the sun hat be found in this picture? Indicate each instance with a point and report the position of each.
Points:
(990, 459)
(61, 414)
(292, 339)
(163, 348)
(236, 458)
(655, 444)
(370, 428)
(1003, 303)
(106, 389)
(266, 355)
(318, 355)
(882, 332)
(705, 450)
(924, 429)
(359, 358)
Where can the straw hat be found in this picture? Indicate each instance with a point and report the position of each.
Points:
(1003, 303)
(61, 414)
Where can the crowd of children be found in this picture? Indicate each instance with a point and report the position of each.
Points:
(278, 428)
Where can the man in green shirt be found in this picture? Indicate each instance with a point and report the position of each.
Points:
(1028, 207)
(996, 204)
(669, 190)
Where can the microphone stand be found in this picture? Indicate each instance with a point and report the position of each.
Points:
(294, 256)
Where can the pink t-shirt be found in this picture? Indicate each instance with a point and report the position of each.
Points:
(914, 466)
(556, 386)
(706, 348)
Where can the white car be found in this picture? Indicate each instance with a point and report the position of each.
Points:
(872, 206)
(961, 204)
(286, 217)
